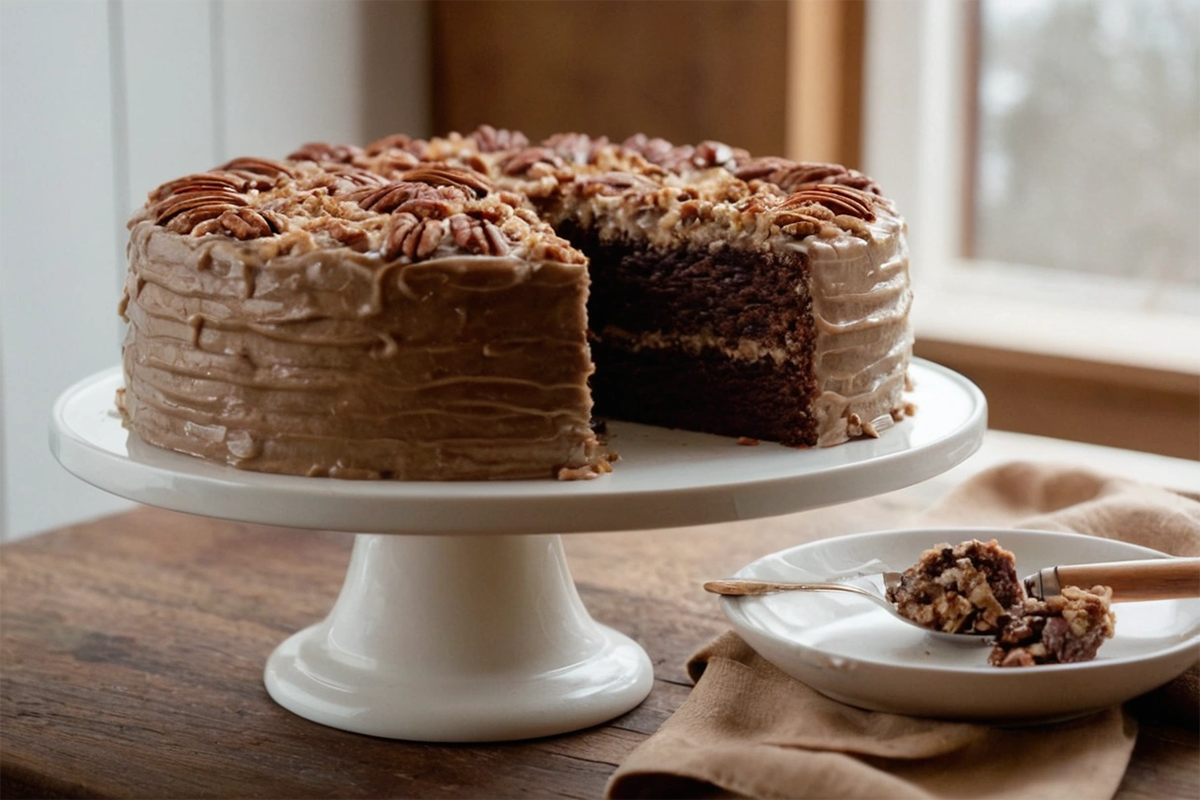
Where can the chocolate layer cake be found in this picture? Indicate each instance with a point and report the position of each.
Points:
(434, 309)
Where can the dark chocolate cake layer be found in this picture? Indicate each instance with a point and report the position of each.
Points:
(712, 340)
(705, 392)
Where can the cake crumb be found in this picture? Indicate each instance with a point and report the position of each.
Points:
(747, 441)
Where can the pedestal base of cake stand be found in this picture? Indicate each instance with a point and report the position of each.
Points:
(458, 620)
(458, 639)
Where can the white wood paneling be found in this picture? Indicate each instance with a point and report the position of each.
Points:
(101, 102)
(58, 246)
(296, 71)
(170, 101)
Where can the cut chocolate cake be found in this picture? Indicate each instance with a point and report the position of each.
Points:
(416, 309)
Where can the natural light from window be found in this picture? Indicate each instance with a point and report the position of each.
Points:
(1046, 154)
(1087, 141)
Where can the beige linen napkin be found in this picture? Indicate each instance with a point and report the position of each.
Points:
(748, 729)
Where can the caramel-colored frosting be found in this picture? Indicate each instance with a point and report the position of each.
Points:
(665, 196)
(289, 318)
(405, 310)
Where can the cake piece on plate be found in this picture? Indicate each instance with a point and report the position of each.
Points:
(970, 587)
(1062, 629)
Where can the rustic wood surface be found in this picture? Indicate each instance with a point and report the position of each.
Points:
(132, 652)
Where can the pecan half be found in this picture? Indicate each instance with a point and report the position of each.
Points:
(397, 141)
(612, 183)
(653, 150)
(392, 163)
(406, 235)
(761, 168)
(492, 140)
(202, 182)
(520, 162)
(798, 175)
(343, 179)
(323, 151)
(170, 207)
(409, 196)
(239, 222)
(442, 175)
(577, 148)
(244, 223)
(715, 154)
(838, 199)
(258, 166)
(478, 236)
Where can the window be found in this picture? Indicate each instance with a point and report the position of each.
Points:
(1047, 155)
(1087, 133)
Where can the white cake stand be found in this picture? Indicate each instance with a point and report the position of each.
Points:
(467, 626)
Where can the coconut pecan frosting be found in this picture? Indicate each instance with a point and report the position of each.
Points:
(411, 198)
(393, 204)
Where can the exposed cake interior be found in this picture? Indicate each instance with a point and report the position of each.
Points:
(733, 295)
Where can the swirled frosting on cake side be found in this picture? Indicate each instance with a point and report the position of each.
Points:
(861, 299)
(367, 329)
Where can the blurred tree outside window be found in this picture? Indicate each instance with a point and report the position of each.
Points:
(1086, 156)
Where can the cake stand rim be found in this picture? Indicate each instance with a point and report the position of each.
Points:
(190, 485)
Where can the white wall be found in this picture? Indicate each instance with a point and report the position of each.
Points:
(102, 101)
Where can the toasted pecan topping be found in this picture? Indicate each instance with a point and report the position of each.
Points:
(347, 175)
(240, 223)
(202, 182)
(399, 195)
(443, 175)
(838, 199)
(653, 150)
(793, 175)
(491, 140)
(259, 166)
(577, 148)
(477, 236)
(715, 154)
(173, 205)
(523, 161)
(610, 183)
(397, 141)
(410, 236)
(323, 151)
(482, 194)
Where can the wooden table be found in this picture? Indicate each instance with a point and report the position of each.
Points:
(133, 648)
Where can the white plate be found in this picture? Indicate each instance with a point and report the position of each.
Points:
(852, 650)
(665, 478)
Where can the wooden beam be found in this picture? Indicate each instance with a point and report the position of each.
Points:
(686, 71)
(825, 77)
